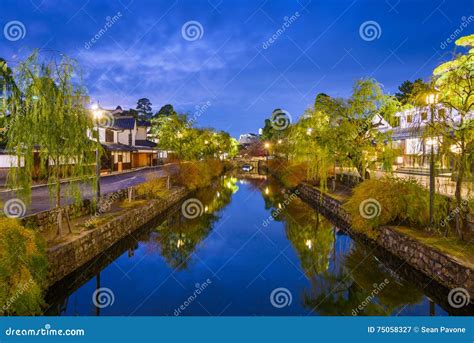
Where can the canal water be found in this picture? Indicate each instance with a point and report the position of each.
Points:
(254, 248)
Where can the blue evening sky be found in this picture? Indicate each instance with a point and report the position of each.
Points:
(231, 65)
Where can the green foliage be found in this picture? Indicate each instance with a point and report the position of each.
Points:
(23, 269)
(153, 188)
(49, 119)
(144, 108)
(290, 173)
(454, 81)
(176, 134)
(198, 174)
(390, 201)
(410, 91)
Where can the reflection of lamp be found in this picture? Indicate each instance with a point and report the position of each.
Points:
(309, 244)
(280, 141)
(179, 243)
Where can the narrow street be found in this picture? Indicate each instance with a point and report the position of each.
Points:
(40, 199)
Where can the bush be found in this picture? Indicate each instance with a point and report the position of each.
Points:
(392, 201)
(197, 174)
(23, 269)
(153, 188)
(290, 174)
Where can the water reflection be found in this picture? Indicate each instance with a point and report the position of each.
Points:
(178, 237)
(253, 237)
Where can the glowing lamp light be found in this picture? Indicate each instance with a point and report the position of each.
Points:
(455, 149)
(309, 131)
(279, 141)
(267, 145)
(267, 191)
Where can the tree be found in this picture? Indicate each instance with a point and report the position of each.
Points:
(144, 108)
(7, 88)
(409, 91)
(23, 269)
(454, 81)
(167, 110)
(48, 130)
(353, 138)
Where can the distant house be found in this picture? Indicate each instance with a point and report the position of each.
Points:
(124, 138)
(246, 139)
(408, 135)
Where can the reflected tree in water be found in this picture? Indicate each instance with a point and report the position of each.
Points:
(178, 237)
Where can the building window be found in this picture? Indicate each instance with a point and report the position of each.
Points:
(424, 115)
(409, 118)
(130, 137)
(441, 113)
(120, 158)
(109, 136)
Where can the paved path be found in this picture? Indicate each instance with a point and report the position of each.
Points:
(40, 200)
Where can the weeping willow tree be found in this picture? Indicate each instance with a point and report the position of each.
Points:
(48, 130)
(454, 81)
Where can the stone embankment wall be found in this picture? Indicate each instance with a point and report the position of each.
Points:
(67, 257)
(443, 268)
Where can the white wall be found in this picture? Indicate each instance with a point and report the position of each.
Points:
(7, 161)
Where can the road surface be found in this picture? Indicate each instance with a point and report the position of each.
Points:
(41, 201)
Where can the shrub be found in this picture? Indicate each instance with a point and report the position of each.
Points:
(197, 174)
(153, 188)
(23, 269)
(290, 174)
(392, 201)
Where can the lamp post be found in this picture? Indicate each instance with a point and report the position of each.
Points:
(97, 115)
(431, 100)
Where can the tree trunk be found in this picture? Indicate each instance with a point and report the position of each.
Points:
(58, 200)
(457, 194)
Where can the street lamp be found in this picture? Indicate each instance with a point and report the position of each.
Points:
(432, 100)
(97, 112)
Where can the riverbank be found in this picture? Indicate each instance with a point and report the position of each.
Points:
(436, 263)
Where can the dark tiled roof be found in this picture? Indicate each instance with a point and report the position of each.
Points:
(127, 123)
(145, 123)
(147, 143)
(117, 147)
